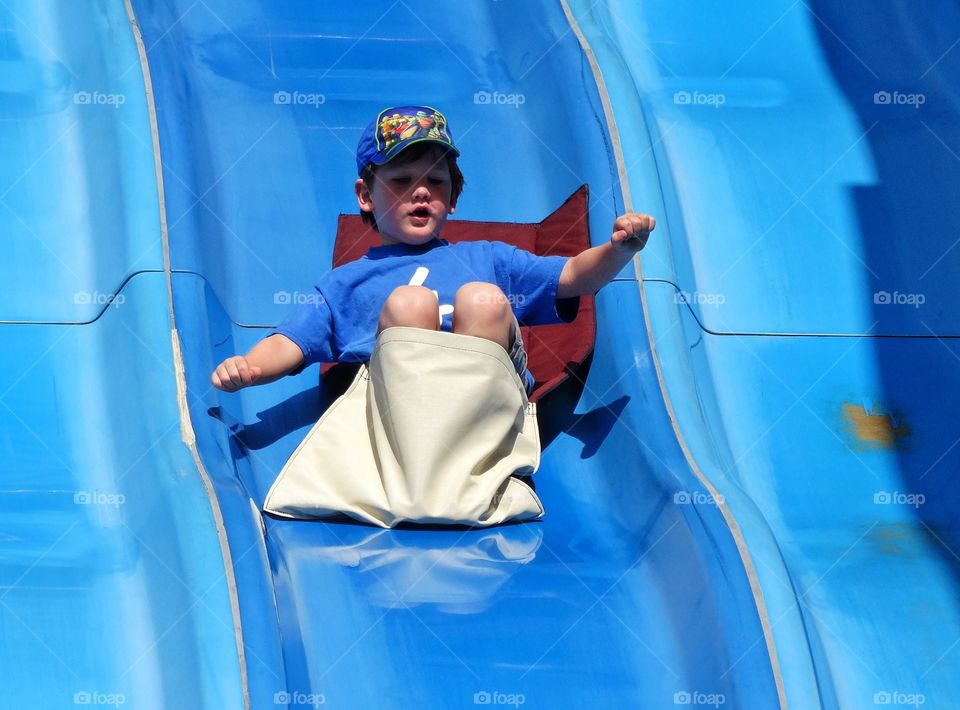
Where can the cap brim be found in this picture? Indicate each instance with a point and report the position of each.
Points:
(406, 144)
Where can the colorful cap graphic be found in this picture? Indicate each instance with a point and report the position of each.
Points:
(397, 128)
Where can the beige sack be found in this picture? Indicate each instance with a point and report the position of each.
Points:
(430, 432)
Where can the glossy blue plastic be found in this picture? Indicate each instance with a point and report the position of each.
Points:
(733, 518)
(800, 155)
(112, 581)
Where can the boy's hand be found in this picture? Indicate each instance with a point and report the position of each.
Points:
(235, 373)
(631, 230)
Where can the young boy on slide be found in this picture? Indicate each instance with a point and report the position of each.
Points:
(409, 182)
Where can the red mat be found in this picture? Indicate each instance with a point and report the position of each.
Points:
(553, 351)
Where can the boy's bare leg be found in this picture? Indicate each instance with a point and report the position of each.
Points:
(481, 309)
(411, 306)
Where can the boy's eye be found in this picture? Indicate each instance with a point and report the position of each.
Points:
(437, 181)
(400, 180)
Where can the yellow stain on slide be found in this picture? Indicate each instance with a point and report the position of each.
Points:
(879, 431)
(898, 539)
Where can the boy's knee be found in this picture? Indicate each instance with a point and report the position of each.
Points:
(410, 305)
(484, 300)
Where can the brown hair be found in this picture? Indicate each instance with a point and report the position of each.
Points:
(411, 154)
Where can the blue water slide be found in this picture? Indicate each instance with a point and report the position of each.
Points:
(747, 498)
(113, 585)
(804, 157)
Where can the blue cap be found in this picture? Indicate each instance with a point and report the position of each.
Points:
(399, 127)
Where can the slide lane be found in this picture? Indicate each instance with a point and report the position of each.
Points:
(626, 593)
(112, 583)
(802, 160)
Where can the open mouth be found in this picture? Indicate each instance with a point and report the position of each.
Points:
(420, 217)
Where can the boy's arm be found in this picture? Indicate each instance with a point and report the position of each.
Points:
(591, 269)
(269, 360)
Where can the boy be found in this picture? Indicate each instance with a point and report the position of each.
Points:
(409, 182)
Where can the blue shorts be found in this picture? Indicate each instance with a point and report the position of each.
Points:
(519, 357)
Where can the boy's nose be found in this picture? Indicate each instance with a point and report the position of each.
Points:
(421, 191)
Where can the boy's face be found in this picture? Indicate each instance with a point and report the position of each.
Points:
(410, 200)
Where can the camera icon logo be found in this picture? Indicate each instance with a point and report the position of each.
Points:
(281, 98)
(481, 698)
(682, 98)
(882, 98)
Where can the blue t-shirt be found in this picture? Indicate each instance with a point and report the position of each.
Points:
(338, 322)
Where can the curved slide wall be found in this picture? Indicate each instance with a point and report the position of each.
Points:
(800, 292)
(113, 589)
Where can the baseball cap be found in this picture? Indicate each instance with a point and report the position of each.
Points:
(399, 127)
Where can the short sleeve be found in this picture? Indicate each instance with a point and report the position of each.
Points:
(531, 282)
(310, 325)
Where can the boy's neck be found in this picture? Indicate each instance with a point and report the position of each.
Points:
(398, 247)
(390, 241)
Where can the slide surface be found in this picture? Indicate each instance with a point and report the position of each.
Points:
(800, 290)
(748, 498)
(113, 588)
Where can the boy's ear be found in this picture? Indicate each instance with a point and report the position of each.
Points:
(364, 198)
(453, 205)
